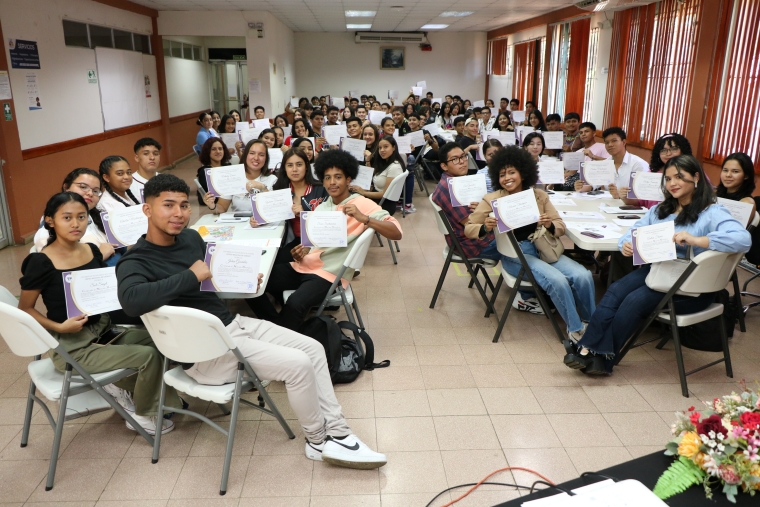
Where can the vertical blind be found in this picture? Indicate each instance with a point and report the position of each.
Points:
(559, 63)
(523, 82)
(497, 61)
(588, 94)
(576, 74)
(733, 115)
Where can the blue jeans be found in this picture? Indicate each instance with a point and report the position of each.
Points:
(569, 285)
(609, 328)
(409, 180)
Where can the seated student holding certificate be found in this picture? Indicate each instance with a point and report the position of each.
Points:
(259, 112)
(737, 179)
(700, 224)
(591, 149)
(387, 163)
(666, 147)
(470, 139)
(228, 127)
(397, 113)
(117, 180)
(387, 127)
(572, 140)
(88, 339)
(354, 127)
(166, 267)
(536, 120)
(503, 123)
(213, 154)
(625, 163)
(490, 148)
(147, 156)
(260, 179)
(304, 144)
(88, 184)
(314, 270)
(371, 136)
(206, 123)
(569, 285)
(269, 137)
(301, 128)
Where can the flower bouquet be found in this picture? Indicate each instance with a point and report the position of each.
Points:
(718, 445)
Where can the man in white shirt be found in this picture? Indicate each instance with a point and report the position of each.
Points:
(625, 164)
(486, 121)
(147, 156)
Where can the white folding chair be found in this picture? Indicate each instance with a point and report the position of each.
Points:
(455, 254)
(393, 193)
(26, 337)
(472, 165)
(708, 272)
(337, 295)
(508, 246)
(735, 279)
(7, 298)
(188, 335)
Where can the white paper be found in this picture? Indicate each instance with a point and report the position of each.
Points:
(654, 243)
(293, 101)
(404, 148)
(338, 102)
(249, 135)
(422, 84)
(439, 100)
(572, 160)
(479, 103)
(523, 131)
(376, 117)
(326, 228)
(551, 171)
(393, 94)
(604, 229)
(624, 223)
(354, 94)
(333, 133)
(504, 137)
(599, 173)
(254, 86)
(587, 197)
(416, 90)
(581, 215)
(242, 125)
(647, 186)
(517, 210)
(235, 268)
(5, 86)
(257, 242)
(432, 129)
(561, 200)
(468, 189)
(228, 180)
(286, 131)
(230, 218)
(742, 211)
(92, 291)
(265, 227)
(261, 124)
(518, 116)
(229, 140)
(354, 146)
(33, 91)
(127, 224)
(275, 158)
(272, 206)
(416, 138)
(553, 140)
(364, 179)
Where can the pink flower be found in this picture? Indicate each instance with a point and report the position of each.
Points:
(729, 475)
(694, 418)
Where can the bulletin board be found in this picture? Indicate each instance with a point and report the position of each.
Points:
(121, 78)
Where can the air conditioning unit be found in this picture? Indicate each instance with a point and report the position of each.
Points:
(611, 5)
(392, 37)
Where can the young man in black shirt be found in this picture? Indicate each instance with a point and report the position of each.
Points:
(165, 267)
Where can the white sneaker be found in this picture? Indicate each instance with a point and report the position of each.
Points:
(122, 397)
(314, 451)
(575, 336)
(530, 305)
(149, 424)
(265, 383)
(350, 452)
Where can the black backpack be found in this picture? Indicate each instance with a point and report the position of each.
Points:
(706, 335)
(345, 358)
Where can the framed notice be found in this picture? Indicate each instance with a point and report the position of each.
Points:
(392, 58)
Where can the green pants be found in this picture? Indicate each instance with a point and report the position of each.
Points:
(134, 349)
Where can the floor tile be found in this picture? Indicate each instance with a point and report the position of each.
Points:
(406, 434)
(156, 480)
(617, 399)
(497, 375)
(444, 377)
(455, 402)
(525, 431)
(201, 477)
(330, 480)
(639, 428)
(583, 430)
(398, 378)
(77, 480)
(466, 466)
(552, 463)
(440, 355)
(588, 459)
(20, 479)
(465, 432)
(272, 476)
(413, 472)
(564, 400)
(510, 400)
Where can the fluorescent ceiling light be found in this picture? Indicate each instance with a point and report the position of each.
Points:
(433, 27)
(360, 14)
(359, 27)
(455, 14)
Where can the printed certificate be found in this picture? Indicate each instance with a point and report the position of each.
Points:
(229, 140)
(551, 171)
(572, 160)
(653, 243)
(273, 206)
(376, 117)
(226, 180)
(505, 138)
(124, 226)
(742, 211)
(324, 229)
(354, 146)
(416, 138)
(646, 186)
(364, 178)
(234, 268)
(516, 210)
(333, 133)
(90, 291)
(598, 172)
(466, 189)
(275, 158)
(553, 140)
(518, 116)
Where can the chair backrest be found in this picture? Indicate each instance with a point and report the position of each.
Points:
(393, 192)
(471, 164)
(713, 272)
(438, 220)
(504, 245)
(355, 259)
(7, 298)
(755, 220)
(24, 335)
(187, 335)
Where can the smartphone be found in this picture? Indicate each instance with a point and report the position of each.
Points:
(631, 207)
(596, 192)
(628, 217)
(592, 234)
(243, 214)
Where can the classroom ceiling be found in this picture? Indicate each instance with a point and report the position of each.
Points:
(391, 15)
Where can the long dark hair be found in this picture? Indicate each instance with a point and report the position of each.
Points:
(307, 126)
(379, 164)
(223, 124)
(283, 118)
(69, 180)
(373, 146)
(540, 117)
(201, 116)
(205, 156)
(54, 204)
(496, 123)
(265, 171)
(701, 199)
(282, 176)
(676, 140)
(105, 169)
(748, 185)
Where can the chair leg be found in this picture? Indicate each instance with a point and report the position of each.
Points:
(738, 301)
(397, 248)
(59, 424)
(275, 411)
(472, 278)
(223, 408)
(160, 415)
(28, 414)
(726, 353)
(393, 254)
(231, 431)
(746, 284)
(358, 315)
(379, 240)
(441, 278)
(494, 293)
(679, 352)
(512, 296)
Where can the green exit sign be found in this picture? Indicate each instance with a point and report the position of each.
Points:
(238, 57)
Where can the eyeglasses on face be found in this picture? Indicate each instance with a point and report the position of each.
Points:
(669, 151)
(97, 192)
(457, 160)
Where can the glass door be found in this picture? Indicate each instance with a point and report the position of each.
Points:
(227, 85)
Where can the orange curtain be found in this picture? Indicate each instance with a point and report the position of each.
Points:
(576, 72)
(523, 81)
(498, 57)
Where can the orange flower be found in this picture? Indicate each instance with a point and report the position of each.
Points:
(755, 470)
(690, 444)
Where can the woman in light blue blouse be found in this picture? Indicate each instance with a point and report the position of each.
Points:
(490, 148)
(205, 121)
(699, 223)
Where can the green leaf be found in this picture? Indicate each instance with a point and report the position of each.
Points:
(729, 450)
(681, 475)
(672, 448)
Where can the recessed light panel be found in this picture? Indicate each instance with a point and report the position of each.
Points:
(360, 14)
(455, 14)
(433, 27)
(358, 27)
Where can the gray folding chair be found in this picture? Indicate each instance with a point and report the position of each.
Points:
(508, 246)
(735, 280)
(393, 193)
(416, 168)
(26, 337)
(708, 272)
(188, 335)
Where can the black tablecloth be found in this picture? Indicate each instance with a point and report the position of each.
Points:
(646, 470)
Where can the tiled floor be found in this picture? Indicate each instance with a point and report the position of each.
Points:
(451, 408)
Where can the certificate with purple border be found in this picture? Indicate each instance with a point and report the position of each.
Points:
(653, 243)
(234, 268)
(90, 291)
(124, 226)
(516, 210)
(226, 180)
(598, 172)
(466, 189)
(324, 229)
(275, 206)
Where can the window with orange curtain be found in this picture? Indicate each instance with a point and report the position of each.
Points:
(576, 73)
(651, 69)
(524, 72)
(588, 96)
(733, 116)
(558, 68)
(497, 57)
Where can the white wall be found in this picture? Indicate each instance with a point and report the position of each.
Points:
(332, 63)
(70, 105)
(187, 86)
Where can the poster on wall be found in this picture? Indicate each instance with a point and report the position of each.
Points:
(24, 54)
(33, 91)
(147, 86)
(5, 86)
(254, 86)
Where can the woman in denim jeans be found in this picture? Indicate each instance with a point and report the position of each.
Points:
(569, 285)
